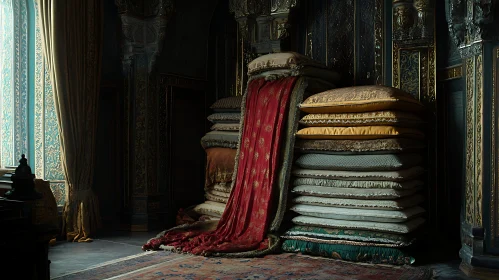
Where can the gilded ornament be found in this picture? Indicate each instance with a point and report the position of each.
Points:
(378, 42)
(478, 140)
(494, 190)
(451, 73)
(470, 142)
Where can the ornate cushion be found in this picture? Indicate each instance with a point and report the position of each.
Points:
(232, 103)
(216, 198)
(358, 162)
(219, 187)
(406, 185)
(225, 118)
(359, 132)
(278, 65)
(226, 126)
(219, 165)
(361, 99)
(360, 193)
(226, 139)
(398, 204)
(375, 146)
(397, 176)
(350, 251)
(218, 193)
(395, 118)
(400, 228)
(348, 234)
(283, 60)
(369, 215)
(210, 208)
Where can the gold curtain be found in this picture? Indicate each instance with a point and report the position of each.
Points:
(72, 45)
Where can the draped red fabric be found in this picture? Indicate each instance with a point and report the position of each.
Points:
(243, 225)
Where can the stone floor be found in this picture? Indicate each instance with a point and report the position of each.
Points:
(68, 257)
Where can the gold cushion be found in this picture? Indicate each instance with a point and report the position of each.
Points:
(359, 132)
(395, 118)
(361, 99)
(285, 60)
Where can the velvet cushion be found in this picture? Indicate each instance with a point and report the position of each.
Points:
(359, 132)
(397, 176)
(398, 204)
(374, 146)
(350, 251)
(360, 193)
(210, 208)
(394, 118)
(226, 139)
(232, 103)
(226, 126)
(219, 165)
(398, 228)
(225, 118)
(406, 185)
(368, 215)
(361, 99)
(358, 162)
(348, 234)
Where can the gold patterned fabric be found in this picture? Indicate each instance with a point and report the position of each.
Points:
(374, 146)
(72, 45)
(395, 118)
(285, 60)
(359, 132)
(361, 99)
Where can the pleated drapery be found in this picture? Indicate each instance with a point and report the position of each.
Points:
(72, 45)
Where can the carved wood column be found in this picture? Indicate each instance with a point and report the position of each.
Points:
(473, 28)
(143, 25)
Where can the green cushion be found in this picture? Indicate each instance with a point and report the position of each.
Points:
(397, 175)
(226, 139)
(228, 103)
(357, 253)
(353, 193)
(398, 204)
(358, 162)
(349, 234)
(369, 215)
(397, 228)
(358, 184)
(225, 118)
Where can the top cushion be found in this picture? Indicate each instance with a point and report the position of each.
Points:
(361, 99)
(232, 103)
(285, 60)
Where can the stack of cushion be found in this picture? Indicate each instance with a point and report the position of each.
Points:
(220, 145)
(357, 176)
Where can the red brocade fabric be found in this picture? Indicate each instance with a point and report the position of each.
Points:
(243, 226)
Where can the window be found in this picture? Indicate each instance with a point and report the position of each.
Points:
(28, 123)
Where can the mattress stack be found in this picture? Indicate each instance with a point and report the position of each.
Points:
(357, 176)
(220, 145)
